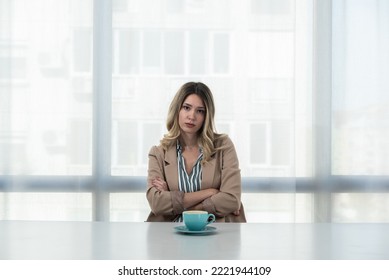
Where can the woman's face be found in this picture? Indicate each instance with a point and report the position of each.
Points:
(192, 114)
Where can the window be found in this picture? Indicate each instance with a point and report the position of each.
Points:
(300, 88)
(360, 138)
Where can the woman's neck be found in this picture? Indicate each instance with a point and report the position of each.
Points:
(189, 143)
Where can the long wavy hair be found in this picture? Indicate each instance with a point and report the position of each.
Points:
(207, 135)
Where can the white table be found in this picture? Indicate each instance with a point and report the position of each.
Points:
(143, 241)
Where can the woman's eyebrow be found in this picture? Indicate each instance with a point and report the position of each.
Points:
(190, 105)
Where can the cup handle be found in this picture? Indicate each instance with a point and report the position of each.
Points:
(211, 218)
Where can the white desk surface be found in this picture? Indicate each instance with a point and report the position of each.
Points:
(143, 241)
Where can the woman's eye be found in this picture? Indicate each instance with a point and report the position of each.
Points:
(186, 108)
(201, 111)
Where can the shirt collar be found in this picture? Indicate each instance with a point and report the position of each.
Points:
(179, 148)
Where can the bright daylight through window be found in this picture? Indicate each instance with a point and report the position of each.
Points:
(299, 86)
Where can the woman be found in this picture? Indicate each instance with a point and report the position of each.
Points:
(194, 168)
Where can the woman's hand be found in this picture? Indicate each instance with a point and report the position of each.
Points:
(212, 191)
(159, 184)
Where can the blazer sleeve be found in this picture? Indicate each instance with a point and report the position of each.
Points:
(161, 202)
(228, 199)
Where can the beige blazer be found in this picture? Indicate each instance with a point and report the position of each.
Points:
(221, 172)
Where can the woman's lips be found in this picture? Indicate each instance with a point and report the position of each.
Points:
(191, 125)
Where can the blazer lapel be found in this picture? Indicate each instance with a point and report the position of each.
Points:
(208, 173)
(171, 168)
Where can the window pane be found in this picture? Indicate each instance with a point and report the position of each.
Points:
(129, 52)
(151, 49)
(46, 88)
(274, 7)
(128, 207)
(126, 145)
(46, 206)
(82, 46)
(80, 148)
(281, 143)
(259, 73)
(221, 53)
(360, 98)
(259, 144)
(12, 67)
(119, 5)
(151, 135)
(174, 53)
(278, 207)
(271, 54)
(198, 44)
(360, 208)
(175, 6)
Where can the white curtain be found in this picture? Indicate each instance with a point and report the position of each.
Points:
(360, 119)
(300, 86)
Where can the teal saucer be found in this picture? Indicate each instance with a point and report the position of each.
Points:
(185, 230)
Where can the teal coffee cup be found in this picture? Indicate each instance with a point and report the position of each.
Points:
(196, 220)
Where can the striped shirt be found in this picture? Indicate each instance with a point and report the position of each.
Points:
(188, 182)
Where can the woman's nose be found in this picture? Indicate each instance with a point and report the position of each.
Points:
(191, 114)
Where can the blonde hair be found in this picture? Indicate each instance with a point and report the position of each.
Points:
(207, 135)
